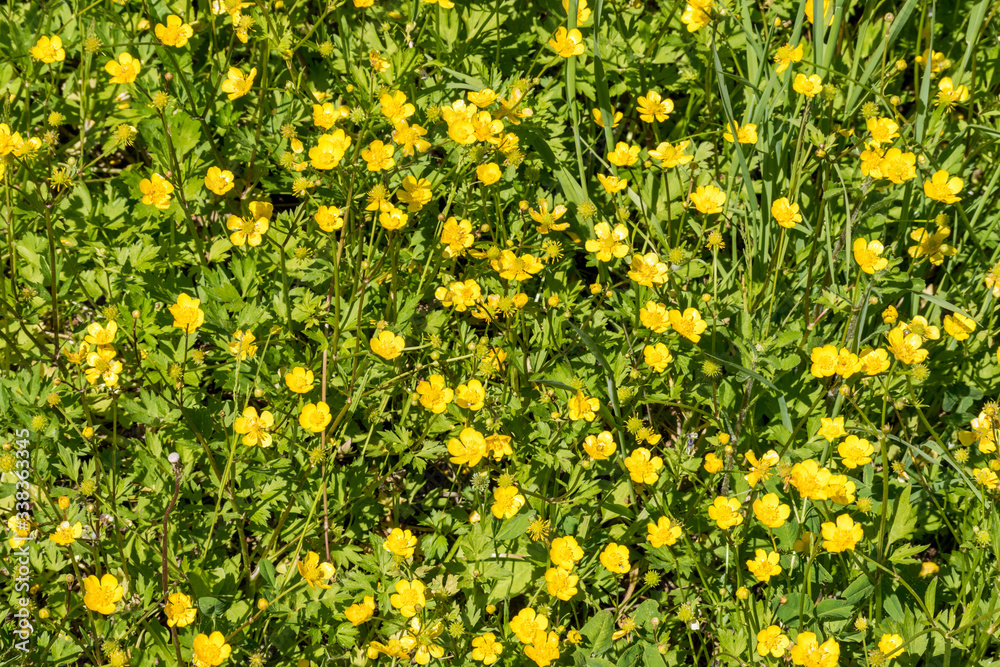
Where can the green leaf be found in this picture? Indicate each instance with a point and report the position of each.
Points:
(599, 630)
(210, 606)
(513, 528)
(267, 572)
(904, 554)
(903, 518)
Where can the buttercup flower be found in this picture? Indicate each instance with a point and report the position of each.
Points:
(102, 594)
(565, 552)
(745, 134)
(486, 649)
(187, 315)
(868, 255)
(688, 324)
(609, 242)
(400, 543)
(67, 533)
(771, 641)
(785, 213)
(653, 107)
(175, 33)
(643, 466)
(210, 650)
(725, 512)
(526, 624)
(855, 451)
(786, 55)
(583, 407)
(810, 653)
(434, 395)
(810, 86)
(506, 502)
(361, 612)
(156, 191)
(48, 49)
(764, 565)
(770, 511)
(179, 610)
(314, 572)
(843, 535)
(468, 449)
(123, 70)
(388, 345)
(315, 416)
(615, 558)
(237, 84)
(708, 199)
(959, 326)
(663, 533)
(567, 43)
(601, 446)
(219, 181)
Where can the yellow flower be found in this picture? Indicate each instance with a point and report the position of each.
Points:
(643, 466)
(67, 533)
(655, 317)
(408, 597)
(434, 395)
(187, 315)
(179, 610)
(315, 416)
(671, 155)
(526, 624)
(930, 245)
(663, 533)
(624, 155)
(379, 156)
(498, 446)
(986, 477)
(949, 95)
(582, 11)
(468, 449)
(906, 347)
(488, 173)
(612, 184)
(395, 107)
(470, 396)
(770, 511)
(156, 191)
(219, 181)
(898, 166)
(831, 429)
(601, 446)
(175, 33)
(567, 43)
(810, 653)
(868, 255)
(746, 134)
(764, 565)
(361, 612)
(615, 558)
(394, 219)
(890, 315)
(102, 594)
(329, 218)
(314, 572)
(883, 130)
(843, 535)
(827, 14)
(890, 645)
(415, 193)
(329, 150)
(653, 107)
(486, 649)
(786, 55)
(460, 295)
(810, 480)
(388, 345)
(561, 583)
(101, 335)
(327, 114)
(48, 49)
(657, 356)
(544, 648)
(855, 451)
(254, 428)
(708, 199)
(874, 362)
(482, 98)
(510, 266)
(648, 270)
(725, 512)
(688, 324)
(457, 236)
(959, 326)
(584, 407)
(618, 115)
(871, 162)
(565, 552)
(400, 542)
(760, 469)
(238, 84)
(210, 650)
(696, 14)
(943, 189)
(251, 229)
(506, 502)
(785, 212)
(546, 219)
(123, 70)
(609, 242)
(771, 641)
(810, 86)
(713, 463)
